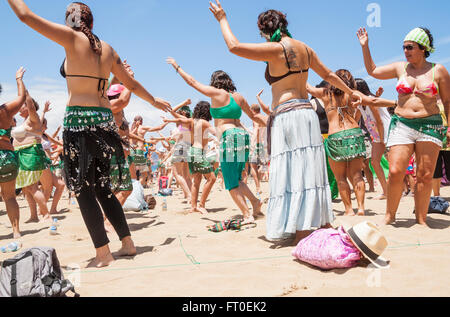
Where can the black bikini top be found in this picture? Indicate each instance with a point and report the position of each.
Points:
(272, 80)
(102, 82)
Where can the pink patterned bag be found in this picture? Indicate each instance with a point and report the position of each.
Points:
(328, 249)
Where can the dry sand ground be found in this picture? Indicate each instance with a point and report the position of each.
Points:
(177, 256)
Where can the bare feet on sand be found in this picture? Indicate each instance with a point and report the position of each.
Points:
(101, 261)
(361, 213)
(389, 220)
(349, 213)
(128, 248)
(202, 210)
(248, 220)
(380, 197)
(257, 205)
(32, 220)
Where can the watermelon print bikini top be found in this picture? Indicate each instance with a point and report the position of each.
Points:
(403, 87)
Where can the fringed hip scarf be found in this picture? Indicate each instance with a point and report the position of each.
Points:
(90, 134)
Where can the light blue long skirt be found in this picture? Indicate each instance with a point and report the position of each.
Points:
(300, 197)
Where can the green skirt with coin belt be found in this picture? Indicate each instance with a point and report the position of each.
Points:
(9, 166)
(346, 145)
(198, 162)
(33, 161)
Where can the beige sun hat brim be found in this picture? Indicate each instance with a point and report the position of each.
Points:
(375, 259)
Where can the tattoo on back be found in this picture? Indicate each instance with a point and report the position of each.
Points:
(291, 57)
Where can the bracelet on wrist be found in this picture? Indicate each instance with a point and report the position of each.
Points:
(178, 68)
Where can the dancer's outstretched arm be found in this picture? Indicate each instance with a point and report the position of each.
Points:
(181, 120)
(187, 102)
(208, 91)
(321, 93)
(154, 129)
(14, 106)
(53, 140)
(61, 34)
(254, 51)
(55, 134)
(44, 112)
(32, 113)
(246, 108)
(264, 107)
(384, 72)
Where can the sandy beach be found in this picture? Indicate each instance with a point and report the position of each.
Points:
(178, 257)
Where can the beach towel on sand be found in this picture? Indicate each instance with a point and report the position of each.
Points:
(328, 249)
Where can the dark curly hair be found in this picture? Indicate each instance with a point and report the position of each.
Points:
(203, 111)
(1, 88)
(270, 21)
(347, 78)
(79, 17)
(363, 87)
(430, 36)
(222, 80)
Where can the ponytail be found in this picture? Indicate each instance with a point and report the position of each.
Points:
(79, 17)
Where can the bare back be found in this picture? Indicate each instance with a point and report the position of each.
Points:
(297, 58)
(199, 137)
(83, 61)
(340, 115)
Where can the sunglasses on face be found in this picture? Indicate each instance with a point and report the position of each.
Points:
(409, 47)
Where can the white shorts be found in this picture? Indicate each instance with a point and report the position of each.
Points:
(403, 135)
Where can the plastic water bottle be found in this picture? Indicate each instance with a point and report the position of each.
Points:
(53, 230)
(12, 247)
(55, 222)
(164, 204)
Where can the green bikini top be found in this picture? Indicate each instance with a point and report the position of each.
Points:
(4, 132)
(230, 111)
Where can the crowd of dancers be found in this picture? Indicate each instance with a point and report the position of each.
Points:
(310, 150)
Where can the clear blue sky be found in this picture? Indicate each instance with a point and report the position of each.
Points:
(145, 32)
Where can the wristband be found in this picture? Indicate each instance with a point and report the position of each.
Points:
(178, 68)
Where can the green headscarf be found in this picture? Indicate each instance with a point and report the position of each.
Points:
(419, 36)
(276, 37)
(186, 109)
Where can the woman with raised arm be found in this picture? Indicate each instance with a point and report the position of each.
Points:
(416, 126)
(377, 121)
(33, 161)
(226, 109)
(199, 166)
(345, 147)
(90, 135)
(180, 156)
(300, 198)
(9, 162)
